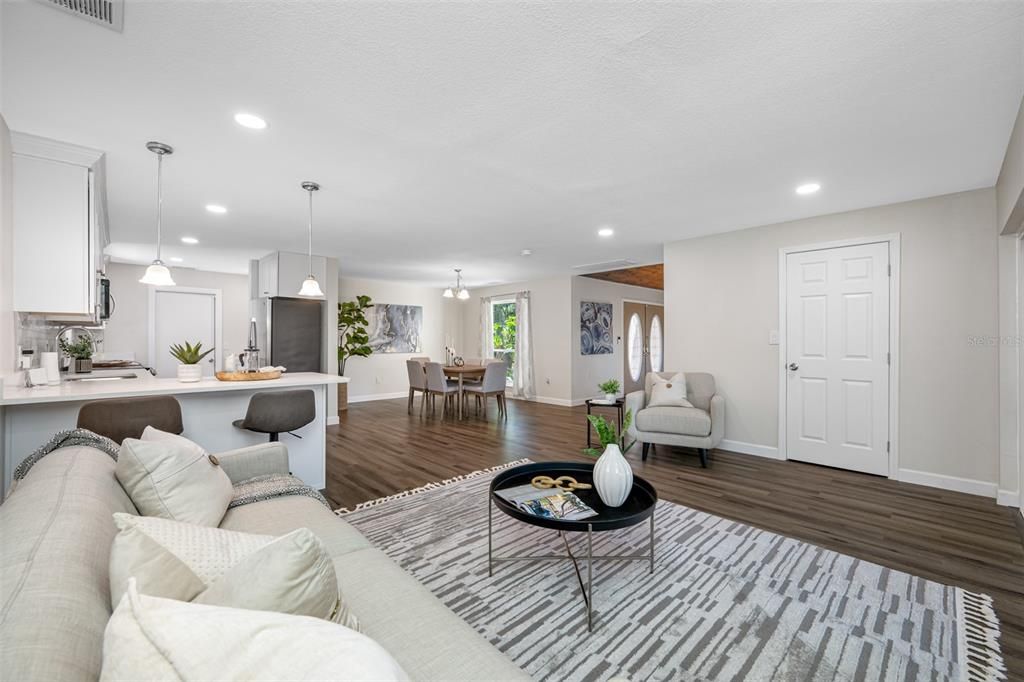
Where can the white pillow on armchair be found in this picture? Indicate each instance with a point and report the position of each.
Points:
(668, 392)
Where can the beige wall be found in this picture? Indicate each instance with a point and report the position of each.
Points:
(7, 352)
(128, 328)
(590, 370)
(383, 375)
(1010, 186)
(721, 296)
(550, 301)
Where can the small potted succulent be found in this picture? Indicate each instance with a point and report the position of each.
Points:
(610, 389)
(189, 356)
(81, 351)
(613, 477)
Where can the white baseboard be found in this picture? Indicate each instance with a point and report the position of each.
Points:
(378, 396)
(955, 483)
(562, 402)
(1008, 498)
(750, 449)
(333, 421)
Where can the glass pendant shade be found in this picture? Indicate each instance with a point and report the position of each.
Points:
(158, 275)
(463, 294)
(448, 293)
(310, 287)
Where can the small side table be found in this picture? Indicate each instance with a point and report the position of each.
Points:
(620, 407)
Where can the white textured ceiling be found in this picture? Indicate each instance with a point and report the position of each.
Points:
(457, 134)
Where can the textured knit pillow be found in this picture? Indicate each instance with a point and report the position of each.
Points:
(171, 477)
(288, 574)
(149, 638)
(669, 392)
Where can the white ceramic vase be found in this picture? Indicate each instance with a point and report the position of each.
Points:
(190, 373)
(613, 478)
(610, 397)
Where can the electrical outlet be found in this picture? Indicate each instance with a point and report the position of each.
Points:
(773, 337)
(379, 380)
(547, 380)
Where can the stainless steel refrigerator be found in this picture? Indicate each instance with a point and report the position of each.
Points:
(290, 333)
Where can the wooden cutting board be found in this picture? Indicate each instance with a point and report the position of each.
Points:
(248, 376)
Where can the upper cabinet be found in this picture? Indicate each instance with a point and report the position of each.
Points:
(58, 234)
(281, 273)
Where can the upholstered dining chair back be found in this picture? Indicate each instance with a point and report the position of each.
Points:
(417, 378)
(120, 418)
(494, 377)
(494, 361)
(422, 360)
(435, 378)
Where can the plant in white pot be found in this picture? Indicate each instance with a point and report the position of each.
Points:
(189, 356)
(610, 389)
(613, 478)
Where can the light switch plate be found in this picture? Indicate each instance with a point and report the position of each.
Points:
(773, 337)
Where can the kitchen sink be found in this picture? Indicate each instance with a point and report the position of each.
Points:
(108, 377)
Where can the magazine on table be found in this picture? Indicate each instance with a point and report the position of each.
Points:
(550, 503)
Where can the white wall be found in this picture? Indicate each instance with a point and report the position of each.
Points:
(721, 296)
(550, 301)
(590, 370)
(128, 327)
(1010, 186)
(383, 375)
(7, 325)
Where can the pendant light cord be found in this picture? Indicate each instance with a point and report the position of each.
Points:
(159, 201)
(310, 251)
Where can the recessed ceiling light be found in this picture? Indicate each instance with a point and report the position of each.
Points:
(215, 208)
(175, 259)
(605, 232)
(189, 240)
(526, 252)
(809, 188)
(250, 121)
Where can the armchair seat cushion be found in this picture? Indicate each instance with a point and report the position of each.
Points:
(684, 421)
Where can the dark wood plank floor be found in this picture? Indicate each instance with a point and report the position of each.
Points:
(952, 538)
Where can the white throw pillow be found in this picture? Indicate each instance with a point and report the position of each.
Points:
(169, 476)
(288, 574)
(149, 638)
(669, 392)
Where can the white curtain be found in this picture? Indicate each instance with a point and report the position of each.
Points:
(522, 373)
(486, 328)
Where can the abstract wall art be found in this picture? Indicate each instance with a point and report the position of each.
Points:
(596, 328)
(395, 328)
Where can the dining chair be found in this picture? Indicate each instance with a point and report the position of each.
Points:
(493, 384)
(439, 385)
(422, 360)
(417, 382)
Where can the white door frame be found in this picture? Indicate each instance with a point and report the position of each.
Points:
(218, 321)
(1019, 313)
(893, 240)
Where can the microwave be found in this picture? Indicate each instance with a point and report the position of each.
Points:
(104, 300)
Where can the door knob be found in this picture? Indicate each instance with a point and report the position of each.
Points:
(793, 366)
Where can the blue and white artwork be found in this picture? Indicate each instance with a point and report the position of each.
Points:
(596, 328)
(395, 328)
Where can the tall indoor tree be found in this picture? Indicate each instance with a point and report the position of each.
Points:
(353, 339)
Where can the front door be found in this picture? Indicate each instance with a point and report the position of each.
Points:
(837, 357)
(645, 343)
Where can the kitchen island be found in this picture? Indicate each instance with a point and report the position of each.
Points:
(30, 416)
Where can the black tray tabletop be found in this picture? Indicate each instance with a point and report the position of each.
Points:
(637, 507)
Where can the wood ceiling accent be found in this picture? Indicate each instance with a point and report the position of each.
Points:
(650, 276)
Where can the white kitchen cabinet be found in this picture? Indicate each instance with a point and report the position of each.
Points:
(56, 243)
(282, 273)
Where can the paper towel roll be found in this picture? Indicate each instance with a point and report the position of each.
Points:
(51, 364)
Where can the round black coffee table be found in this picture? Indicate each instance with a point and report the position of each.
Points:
(638, 507)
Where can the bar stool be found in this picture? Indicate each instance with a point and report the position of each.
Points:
(120, 418)
(278, 412)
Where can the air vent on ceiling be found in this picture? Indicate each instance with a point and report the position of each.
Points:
(607, 265)
(109, 13)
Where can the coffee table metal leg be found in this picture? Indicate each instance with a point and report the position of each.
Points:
(490, 548)
(652, 543)
(590, 578)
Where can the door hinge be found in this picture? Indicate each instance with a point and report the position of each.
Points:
(888, 358)
(887, 446)
(890, 270)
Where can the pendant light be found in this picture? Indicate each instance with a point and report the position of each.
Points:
(310, 287)
(460, 292)
(157, 273)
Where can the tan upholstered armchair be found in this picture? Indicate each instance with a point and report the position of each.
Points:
(701, 426)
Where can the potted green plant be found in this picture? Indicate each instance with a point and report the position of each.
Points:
(189, 356)
(613, 477)
(610, 389)
(80, 350)
(353, 339)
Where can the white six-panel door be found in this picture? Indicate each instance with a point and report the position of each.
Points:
(837, 357)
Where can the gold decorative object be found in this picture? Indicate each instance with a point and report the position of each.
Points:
(563, 483)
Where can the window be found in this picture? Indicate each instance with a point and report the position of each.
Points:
(655, 345)
(503, 317)
(635, 339)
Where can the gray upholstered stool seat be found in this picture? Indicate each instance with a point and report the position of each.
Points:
(120, 418)
(275, 412)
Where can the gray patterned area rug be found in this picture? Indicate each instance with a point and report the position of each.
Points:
(726, 602)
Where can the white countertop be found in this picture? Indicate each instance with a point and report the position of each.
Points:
(70, 391)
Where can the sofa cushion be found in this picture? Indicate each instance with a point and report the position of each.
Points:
(153, 638)
(56, 531)
(426, 638)
(171, 477)
(684, 421)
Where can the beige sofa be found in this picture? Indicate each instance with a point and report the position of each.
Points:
(701, 426)
(56, 531)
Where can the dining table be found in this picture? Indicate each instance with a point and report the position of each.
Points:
(461, 373)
